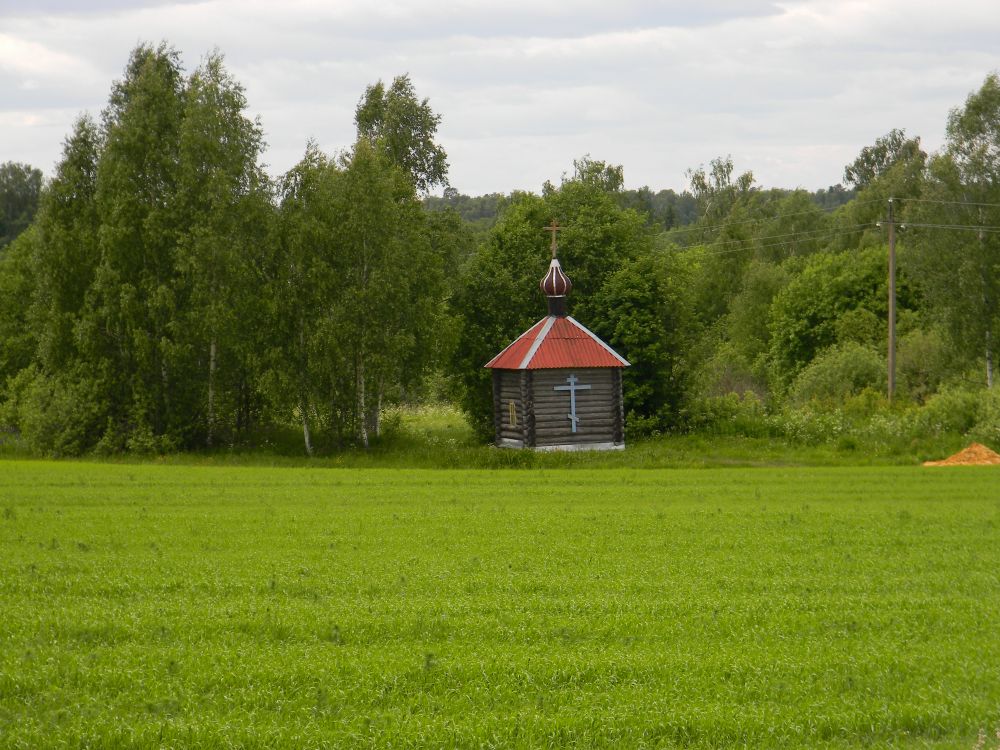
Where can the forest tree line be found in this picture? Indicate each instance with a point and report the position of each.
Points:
(162, 292)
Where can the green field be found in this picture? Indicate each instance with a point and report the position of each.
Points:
(180, 606)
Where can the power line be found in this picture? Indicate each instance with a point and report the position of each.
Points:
(751, 243)
(785, 243)
(891, 363)
(948, 203)
(970, 227)
(711, 227)
(723, 225)
(788, 236)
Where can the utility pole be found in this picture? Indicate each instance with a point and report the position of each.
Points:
(892, 302)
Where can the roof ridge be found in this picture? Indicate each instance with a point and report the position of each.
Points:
(514, 342)
(539, 338)
(597, 338)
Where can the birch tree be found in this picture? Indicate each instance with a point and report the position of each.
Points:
(223, 199)
(403, 128)
(67, 252)
(20, 190)
(134, 295)
(361, 289)
(957, 253)
(393, 282)
(300, 287)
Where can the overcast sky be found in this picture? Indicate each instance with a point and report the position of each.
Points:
(792, 89)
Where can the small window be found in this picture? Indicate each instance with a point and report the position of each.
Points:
(512, 413)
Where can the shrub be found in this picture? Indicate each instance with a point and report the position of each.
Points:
(950, 411)
(859, 326)
(58, 415)
(838, 373)
(810, 426)
(987, 427)
(923, 361)
(731, 414)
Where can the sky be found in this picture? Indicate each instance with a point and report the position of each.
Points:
(791, 90)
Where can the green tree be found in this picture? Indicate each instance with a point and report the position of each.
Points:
(715, 190)
(404, 127)
(857, 223)
(303, 282)
(17, 340)
(770, 226)
(643, 311)
(725, 234)
(58, 402)
(925, 360)
(790, 224)
(496, 300)
(833, 196)
(747, 320)
(20, 190)
(224, 199)
(877, 159)
(805, 313)
(608, 178)
(67, 252)
(363, 288)
(391, 298)
(134, 294)
(957, 263)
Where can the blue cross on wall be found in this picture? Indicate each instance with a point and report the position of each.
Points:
(573, 387)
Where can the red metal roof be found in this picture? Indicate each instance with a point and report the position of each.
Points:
(553, 343)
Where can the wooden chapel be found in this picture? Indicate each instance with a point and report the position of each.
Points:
(558, 386)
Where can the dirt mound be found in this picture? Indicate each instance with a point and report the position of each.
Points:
(975, 455)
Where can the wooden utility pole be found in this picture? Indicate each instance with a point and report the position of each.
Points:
(892, 302)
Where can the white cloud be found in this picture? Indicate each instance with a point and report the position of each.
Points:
(792, 89)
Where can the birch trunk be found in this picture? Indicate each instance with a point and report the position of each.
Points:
(303, 390)
(989, 359)
(360, 367)
(165, 401)
(362, 427)
(373, 415)
(377, 416)
(211, 392)
(305, 428)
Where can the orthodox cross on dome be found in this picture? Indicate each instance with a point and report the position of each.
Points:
(555, 284)
(553, 227)
(573, 387)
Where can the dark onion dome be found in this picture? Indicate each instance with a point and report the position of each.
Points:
(555, 283)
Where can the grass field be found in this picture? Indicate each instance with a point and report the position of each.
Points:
(438, 437)
(180, 606)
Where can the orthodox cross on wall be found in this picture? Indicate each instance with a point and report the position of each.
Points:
(573, 387)
(553, 227)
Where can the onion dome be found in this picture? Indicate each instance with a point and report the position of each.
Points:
(555, 283)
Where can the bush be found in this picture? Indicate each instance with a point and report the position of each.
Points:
(923, 361)
(859, 326)
(729, 372)
(987, 427)
(948, 412)
(838, 373)
(56, 415)
(731, 414)
(810, 426)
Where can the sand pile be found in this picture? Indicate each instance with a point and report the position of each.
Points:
(974, 455)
